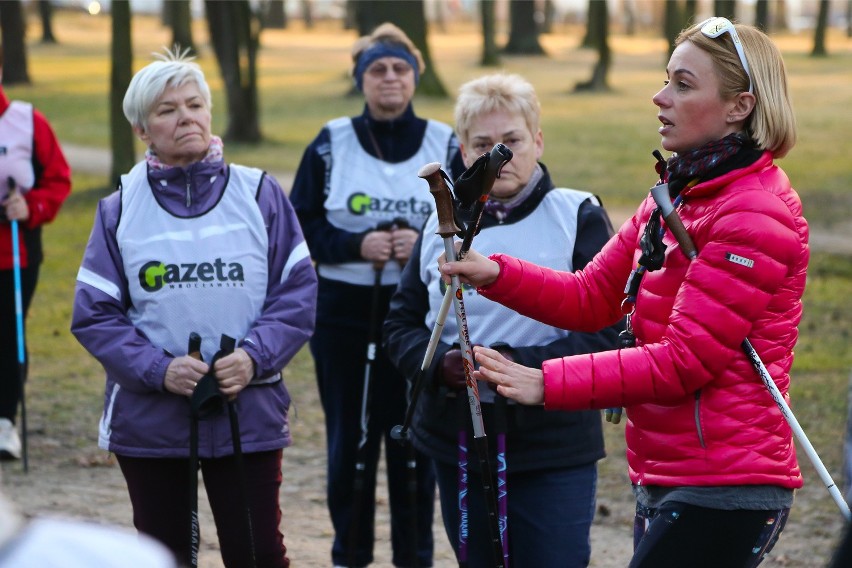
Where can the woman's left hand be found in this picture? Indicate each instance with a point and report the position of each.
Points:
(234, 372)
(513, 380)
(403, 242)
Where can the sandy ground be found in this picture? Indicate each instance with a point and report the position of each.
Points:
(84, 483)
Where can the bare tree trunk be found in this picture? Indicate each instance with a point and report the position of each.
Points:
(598, 82)
(180, 20)
(490, 54)
(690, 9)
(273, 14)
(819, 49)
(589, 40)
(779, 20)
(45, 11)
(673, 23)
(234, 32)
(761, 14)
(410, 16)
(523, 29)
(121, 133)
(13, 31)
(725, 8)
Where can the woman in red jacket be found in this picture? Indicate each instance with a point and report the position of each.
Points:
(31, 163)
(711, 459)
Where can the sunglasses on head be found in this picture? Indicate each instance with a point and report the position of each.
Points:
(714, 27)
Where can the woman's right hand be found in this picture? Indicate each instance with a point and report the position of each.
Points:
(183, 373)
(377, 246)
(475, 269)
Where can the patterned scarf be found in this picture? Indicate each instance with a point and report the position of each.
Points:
(214, 154)
(697, 163)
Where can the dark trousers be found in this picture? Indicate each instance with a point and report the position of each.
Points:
(10, 374)
(339, 357)
(677, 534)
(159, 491)
(550, 514)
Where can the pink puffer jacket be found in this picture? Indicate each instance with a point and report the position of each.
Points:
(697, 412)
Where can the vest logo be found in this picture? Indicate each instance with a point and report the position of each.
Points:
(361, 204)
(154, 275)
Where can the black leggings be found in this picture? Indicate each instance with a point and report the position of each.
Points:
(10, 373)
(677, 535)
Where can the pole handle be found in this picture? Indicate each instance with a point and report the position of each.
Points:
(434, 176)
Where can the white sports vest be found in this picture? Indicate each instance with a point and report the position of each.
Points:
(206, 274)
(16, 147)
(546, 237)
(364, 191)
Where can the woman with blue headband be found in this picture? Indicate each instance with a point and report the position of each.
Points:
(361, 206)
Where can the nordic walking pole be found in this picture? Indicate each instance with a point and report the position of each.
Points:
(483, 173)
(227, 344)
(675, 224)
(193, 350)
(19, 327)
(464, 524)
(360, 463)
(446, 228)
(502, 488)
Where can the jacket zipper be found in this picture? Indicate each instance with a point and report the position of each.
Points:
(698, 418)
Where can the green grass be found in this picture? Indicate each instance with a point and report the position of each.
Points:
(597, 142)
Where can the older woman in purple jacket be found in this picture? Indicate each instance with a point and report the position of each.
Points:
(189, 244)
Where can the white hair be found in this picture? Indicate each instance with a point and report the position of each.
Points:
(174, 69)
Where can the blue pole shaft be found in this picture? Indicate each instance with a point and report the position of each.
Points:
(19, 326)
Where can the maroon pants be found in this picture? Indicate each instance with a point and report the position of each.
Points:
(159, 491)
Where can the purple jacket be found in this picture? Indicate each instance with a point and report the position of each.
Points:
(141, 418)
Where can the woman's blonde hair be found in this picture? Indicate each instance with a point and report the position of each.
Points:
(173, 68)
(772, 123)
(497, 92)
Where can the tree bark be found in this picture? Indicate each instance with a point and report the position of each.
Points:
(45, 11)
(672, 24)
(410, 16)
(274, 14)
(121, 133)
(12, 29)
(761, 15)
(234, 32)
(490, 54)
(523, 29)
(598, 81)
(180, 21)
(725, 8)
(819, 49)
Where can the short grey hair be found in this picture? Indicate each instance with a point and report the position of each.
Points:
(496, 92)
(174, 68)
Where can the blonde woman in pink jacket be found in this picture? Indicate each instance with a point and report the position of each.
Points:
(711, 459)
